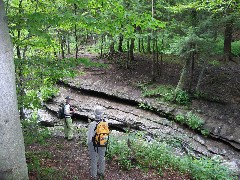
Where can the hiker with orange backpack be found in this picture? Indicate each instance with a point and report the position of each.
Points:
(97, 139)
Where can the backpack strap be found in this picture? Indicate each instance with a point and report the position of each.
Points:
(93, 138)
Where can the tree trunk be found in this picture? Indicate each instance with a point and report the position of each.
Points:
(153, 62)
(111, 48)
(228, 41)
(131, 55)
(157, 57)
(142, 42)
(139, 44)
(101, 53)
(12, 151)
(149, 44)
(128, 54)
(161, 59)
(21, 91)
(68, 45)
(120, 49)
(63, 41)
(201, 76)
(183, 81)
(193, 47)
(20, 74)
(75, 33)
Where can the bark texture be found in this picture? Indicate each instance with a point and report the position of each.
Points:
(12, 151)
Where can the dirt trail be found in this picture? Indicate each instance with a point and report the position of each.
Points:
(70, 160)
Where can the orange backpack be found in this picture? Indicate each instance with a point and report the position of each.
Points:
(100, 139)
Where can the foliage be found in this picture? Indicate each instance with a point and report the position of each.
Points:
(33, 132)
(193, 121)
(236, 48)
(218, 47)
(131, 150)
(41, 172)
(40, 38)
(40, 75)
(166, 93)
(214, 62)
(182, 97)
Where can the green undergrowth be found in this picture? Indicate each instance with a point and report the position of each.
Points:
(166, 93)
(33, 132)
(193, 121)
(132, 151)
(38, 170)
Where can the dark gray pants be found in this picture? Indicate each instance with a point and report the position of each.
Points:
(97, 158)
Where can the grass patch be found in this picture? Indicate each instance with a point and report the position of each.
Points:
(166, 93)
(132, 151)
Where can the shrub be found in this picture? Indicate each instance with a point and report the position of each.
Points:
(182, 97)
(193, 121)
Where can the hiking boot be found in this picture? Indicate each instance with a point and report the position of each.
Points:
(93, 178)
(70, 139)
(101, 176)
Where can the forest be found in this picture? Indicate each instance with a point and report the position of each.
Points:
(166, 72)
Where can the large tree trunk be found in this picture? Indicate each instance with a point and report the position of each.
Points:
(228, 41)
(12, 152)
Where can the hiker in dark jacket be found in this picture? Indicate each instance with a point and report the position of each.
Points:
(68, 126)
(97, 156)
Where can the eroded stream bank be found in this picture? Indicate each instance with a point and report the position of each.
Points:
(122, 115)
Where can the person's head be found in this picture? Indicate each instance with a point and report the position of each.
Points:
(98, 112)
(68, 99)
